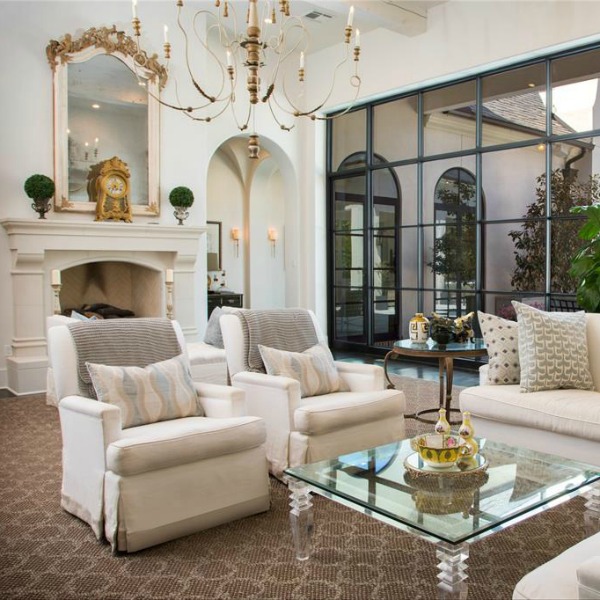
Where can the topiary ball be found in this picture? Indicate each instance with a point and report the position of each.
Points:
(39, 187)
(181, 196)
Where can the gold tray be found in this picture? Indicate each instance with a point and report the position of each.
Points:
(416, 467)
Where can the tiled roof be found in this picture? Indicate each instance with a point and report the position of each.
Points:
(524, 110)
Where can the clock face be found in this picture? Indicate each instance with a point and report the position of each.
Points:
(115, 186)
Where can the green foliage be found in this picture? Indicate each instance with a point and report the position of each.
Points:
(454, 253)
(181, 196)
(530, 240)
(586, 264)
(39, 187)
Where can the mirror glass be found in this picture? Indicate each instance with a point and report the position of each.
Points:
(106, 105)
(108, 116)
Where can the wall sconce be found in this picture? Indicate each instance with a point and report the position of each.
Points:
(273, 237)
(235, 236)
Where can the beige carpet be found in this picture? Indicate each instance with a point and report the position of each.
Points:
(47, 553)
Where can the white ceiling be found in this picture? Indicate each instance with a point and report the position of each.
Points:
(408, 17)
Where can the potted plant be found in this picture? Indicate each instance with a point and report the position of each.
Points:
(585, 267)
(181, 198)
(40, 189)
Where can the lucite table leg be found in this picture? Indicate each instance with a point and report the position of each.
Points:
(452, 570)
(301, 517)
(591, 516)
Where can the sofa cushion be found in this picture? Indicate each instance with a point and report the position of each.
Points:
(314, 368)
(322, 414)
(158, 392)
(552, 350)
(558, 577)
(501, 338)
(570, 412)
(172, 443)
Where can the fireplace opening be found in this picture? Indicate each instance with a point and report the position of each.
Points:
(111, 289)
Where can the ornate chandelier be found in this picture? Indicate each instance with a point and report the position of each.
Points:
(271, 48)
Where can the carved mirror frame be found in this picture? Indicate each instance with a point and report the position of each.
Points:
(93, 42)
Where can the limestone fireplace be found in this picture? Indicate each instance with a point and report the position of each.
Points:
(122, 264)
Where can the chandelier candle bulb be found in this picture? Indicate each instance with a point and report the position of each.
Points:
(166, 34)
(357, 39)
(55, 277)
(350, 16)
(134, 8)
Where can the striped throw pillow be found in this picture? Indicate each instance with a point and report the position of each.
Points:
(314, 368)
(158, 392)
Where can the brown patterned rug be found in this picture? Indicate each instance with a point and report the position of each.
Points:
(47, 553)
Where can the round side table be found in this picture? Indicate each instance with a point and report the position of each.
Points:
(445, 356)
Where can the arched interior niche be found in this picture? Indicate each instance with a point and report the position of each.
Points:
(256, 196)
(125, 285)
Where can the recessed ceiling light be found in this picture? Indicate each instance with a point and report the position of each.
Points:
(96, 106)
(531, 84)
(541, 147)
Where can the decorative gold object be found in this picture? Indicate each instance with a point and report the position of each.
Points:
(438, 494)
(442, 425)
(439, 451)
(108, 186)
(466, 432)
(111, 40)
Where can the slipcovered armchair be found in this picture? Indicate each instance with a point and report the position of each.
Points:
(156, 456)
(314, 407)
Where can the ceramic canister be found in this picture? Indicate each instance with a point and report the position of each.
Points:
(418, 328)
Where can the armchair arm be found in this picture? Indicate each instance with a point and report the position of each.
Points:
(588, 579)
(89, 422)
(88, 427)
(360, 377)
(274, 398)
(220, 401)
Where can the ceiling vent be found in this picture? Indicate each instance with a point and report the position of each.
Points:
(316, 15)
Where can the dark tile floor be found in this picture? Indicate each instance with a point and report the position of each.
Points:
(462, 377)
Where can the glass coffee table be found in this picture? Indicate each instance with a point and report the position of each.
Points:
(445, 355)
(451, 508)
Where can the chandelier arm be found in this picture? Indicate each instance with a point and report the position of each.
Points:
(187, 56)
(277, 120)
(299, 113)
(222, 33)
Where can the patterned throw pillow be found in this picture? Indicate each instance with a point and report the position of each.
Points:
(501, 338)
(158, 392)
(314, 368)
(552, 350)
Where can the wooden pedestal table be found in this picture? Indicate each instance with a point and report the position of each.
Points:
(445, 355)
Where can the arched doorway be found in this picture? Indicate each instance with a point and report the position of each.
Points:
(248, 196)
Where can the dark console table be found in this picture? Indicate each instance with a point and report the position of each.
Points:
(230, 299)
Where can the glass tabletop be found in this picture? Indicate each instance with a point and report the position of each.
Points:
(476, 344)
(507, 484)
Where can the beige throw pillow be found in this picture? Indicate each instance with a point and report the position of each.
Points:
(552, 350)
(314, 368)
(501, 338)
(158, 392)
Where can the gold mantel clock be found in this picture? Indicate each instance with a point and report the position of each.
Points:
(108, 187)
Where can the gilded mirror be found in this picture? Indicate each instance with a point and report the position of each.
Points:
(105, 106)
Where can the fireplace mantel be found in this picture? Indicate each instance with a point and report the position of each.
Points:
(39, 246)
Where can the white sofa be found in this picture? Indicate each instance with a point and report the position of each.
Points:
(572, 575)
(564, 422)
(208, 364)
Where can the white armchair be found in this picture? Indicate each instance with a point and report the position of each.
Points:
(147, 484)
(572, 575)
(308, 429)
